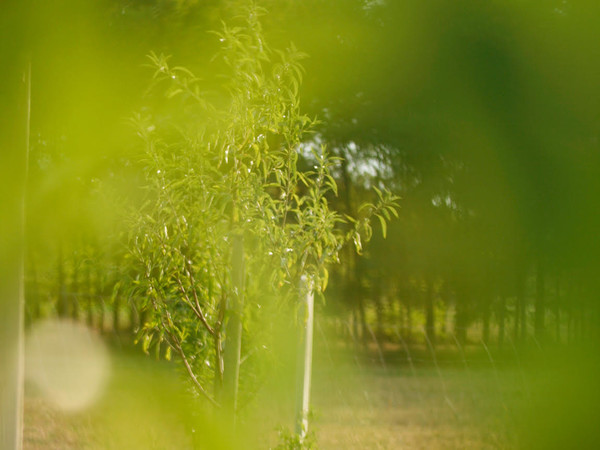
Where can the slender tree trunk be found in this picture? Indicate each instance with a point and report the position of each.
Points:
(75, 295)
(540, 302)
(557, 308)
(569, 308)
(582, 317)
(379, 306)
(486, 318)
(429, 313)
(517, 324)
(218, 342)
(33, 293)
(116, 298)
(569, 325)
(102, 305)
(460, 318)
(402, 319)
(62, 304)
(353, 275)
(444, 330)
(116, 314)
(361, 306)
(103, 281)
(409, 320)
(89, 294)
(522, 305)
(233, 338)
(501, 321)
(354, 328)
(219, 367)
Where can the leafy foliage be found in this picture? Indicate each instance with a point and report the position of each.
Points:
(234, 166)
(293, 441)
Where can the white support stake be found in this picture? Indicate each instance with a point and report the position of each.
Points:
(305, 345)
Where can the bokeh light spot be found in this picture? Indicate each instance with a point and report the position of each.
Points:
(68, 362)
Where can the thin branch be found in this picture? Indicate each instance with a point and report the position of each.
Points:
(193, 376)
(177, 345)
(200, 314)
(197, 310)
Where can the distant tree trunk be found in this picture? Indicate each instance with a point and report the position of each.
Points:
(75, 294)
(540, 302)
(569, 324)
(569, 309)
(391, 296)
(218, 343)
(522, 305)
(557, 307)
(62, 306)
(115, 295)
(360, 295)
(582, 316)
(486, 318)
(89, 294)
(377, 298)
(409, 319)
(353, 275)
(361, 303)
(429, 313)
(219, 367)
(461, 318)
(501, 320)
(517, 324)
(104, 292)
(354, 321)
(116, 314)
(444, 326)
(401, 310)
(33, 294)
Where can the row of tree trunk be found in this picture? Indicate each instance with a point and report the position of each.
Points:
(560, 312)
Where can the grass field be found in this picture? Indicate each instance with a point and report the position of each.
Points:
(358, 403)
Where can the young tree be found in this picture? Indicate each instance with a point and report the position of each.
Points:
(237, 209)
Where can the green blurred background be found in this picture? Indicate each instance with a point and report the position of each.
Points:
(483, 116)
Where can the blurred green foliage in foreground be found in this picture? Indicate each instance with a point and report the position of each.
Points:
(483, 117)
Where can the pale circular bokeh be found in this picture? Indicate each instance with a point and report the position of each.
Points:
(68, 362)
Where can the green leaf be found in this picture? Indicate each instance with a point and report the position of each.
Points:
(146, 343)
(357, 243)
(324, 279)
(383, 225)
(174, 92)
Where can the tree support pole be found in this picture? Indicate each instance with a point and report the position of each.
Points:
(14, 153)
(304, 367)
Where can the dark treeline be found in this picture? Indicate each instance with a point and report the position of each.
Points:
(483, 118)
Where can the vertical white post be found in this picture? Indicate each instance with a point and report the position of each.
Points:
(305, 344)
(12, 243)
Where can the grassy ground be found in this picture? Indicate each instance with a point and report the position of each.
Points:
(142, 406)
(424, 409)
(358, 403)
